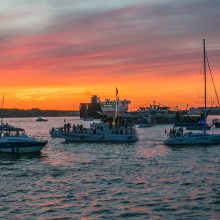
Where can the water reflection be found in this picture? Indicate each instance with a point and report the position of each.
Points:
(160, 150)
(109, 181)
(14, 157)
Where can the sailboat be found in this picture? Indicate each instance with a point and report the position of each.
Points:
(178, 137)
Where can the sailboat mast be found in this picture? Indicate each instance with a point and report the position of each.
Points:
(204, 60)
(116, 104)
(3, 99)
(204, 51)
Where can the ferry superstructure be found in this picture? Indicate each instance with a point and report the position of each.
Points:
(109, 107)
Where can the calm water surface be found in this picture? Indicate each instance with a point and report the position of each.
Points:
(110, 181)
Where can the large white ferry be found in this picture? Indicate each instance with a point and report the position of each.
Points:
(109, 107)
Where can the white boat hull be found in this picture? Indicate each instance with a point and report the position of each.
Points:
(21, 145)
(99, 138)
(194, 140)
(100, 132)
(18, 150)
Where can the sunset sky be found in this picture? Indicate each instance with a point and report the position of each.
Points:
(58, 53)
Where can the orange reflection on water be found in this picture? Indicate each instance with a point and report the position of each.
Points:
(152, 151)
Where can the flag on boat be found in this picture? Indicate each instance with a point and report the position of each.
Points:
(116, 91)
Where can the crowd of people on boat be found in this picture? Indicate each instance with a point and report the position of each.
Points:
(73, 128)
(79, 128)
(175, 132)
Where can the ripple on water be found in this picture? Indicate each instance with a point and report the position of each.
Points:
(110, 181)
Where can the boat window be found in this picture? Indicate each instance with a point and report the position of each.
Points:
(14, 133)
(113, 132)
(121, 131)
(116, 131)
(5, 134)
(126, 132)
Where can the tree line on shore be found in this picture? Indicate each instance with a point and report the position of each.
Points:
(35, 112)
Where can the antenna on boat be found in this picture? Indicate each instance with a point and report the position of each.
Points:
(3, 99)
(204, 60)
(116, 103)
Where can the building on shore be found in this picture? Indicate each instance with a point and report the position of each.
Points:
(92, 109)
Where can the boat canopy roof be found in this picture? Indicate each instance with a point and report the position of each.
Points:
(13, 129)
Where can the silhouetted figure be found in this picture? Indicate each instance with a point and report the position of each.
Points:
(68, 126)
(64, 127)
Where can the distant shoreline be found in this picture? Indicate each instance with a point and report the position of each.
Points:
(35, 112)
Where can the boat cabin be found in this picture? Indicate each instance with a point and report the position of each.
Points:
(13, 132)
(105, 128)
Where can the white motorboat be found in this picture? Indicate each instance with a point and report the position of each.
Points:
(178, 137)
(189, 138)
(41, 119)
(15, 140)
(102, 132)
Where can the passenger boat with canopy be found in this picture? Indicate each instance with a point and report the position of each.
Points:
(115, 130)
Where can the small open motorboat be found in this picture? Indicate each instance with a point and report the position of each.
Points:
(179, 137)
(15, 140)
(41, 119)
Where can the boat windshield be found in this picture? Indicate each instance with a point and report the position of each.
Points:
(13, 133)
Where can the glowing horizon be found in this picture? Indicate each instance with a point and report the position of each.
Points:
(55, 56)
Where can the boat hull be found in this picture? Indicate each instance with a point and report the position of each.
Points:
(99, 138)
(22, 147)
(196, 140)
